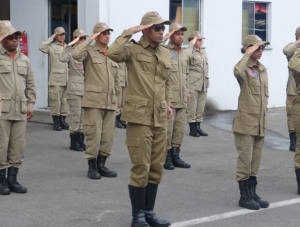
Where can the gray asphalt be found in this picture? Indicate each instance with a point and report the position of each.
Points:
(61, 195)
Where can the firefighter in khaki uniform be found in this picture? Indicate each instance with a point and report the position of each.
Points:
(75, 88)
(146, 108)
(288, 51)
(17, 91)
(250, 121)
(99, 99)
(179, 97)
(57, 78)
(198, 83)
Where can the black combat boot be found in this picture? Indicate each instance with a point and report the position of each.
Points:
(193, 130)
(177, 162)
(12, 182)
(123, 122)
(118, 122)
(138, 201)
(4, 190)
(64, 125)
(81, 140)
(105, 172)
(293, 141)
(75, 146)
(246, 200)
(298, 179)
(56, 123)
(252, 185)
(168, 163)
(151, 217)
(93, 170)
(199, 130)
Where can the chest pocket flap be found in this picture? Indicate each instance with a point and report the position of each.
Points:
(5, 66)
(22, 68)
(143, 57)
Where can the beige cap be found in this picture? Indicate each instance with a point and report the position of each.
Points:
(101, 27)
(9, 30)
(59, 30)
(297, 33)
(4, 23)
(195, 34)
(79, 33)
(253, 39)
(176, 27)
(153, 18)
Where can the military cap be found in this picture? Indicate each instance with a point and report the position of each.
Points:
(176, 27)
(195, 34)
(153, 18)
(101, 27)
(79, 33)
(59, 30)
(252, 40)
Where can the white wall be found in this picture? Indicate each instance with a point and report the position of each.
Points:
(32, 16)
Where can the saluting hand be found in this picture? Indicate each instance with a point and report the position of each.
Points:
(139, 28)
(194, 40)
(250, 50)
(169, 34)
(53, 36)
(95, 35)
(2, 37)
(169, 112)
(73, 42)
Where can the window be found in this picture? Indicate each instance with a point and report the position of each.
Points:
(4, 9)
(256, 20)
(187, 13)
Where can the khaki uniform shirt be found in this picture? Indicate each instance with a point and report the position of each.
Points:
(178, 77)
(253, 100)
(17, 89)
(75, 85)
(123, 74)
(148, 91)
(58, 74)
(198, 78)
(295, 75)
(288, 51)
(102, 83)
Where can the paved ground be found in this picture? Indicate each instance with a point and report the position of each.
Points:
(60, 194)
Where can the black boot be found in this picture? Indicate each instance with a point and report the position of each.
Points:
(193, 130)
(75, 146)
(293, 141)
(118, 122)
(151, 217)
(93, 170)
(138, 201)
(246, 200)
(81, 140)
(64, 125)
(12, 182)
(168, 163)
(123, 122)
(4, 190)
(199, 130)
(105, 172)
(252, 185)
(56, 124)
(298, 179)
(177, 162)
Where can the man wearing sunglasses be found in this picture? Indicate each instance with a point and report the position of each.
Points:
(17, 91)
(250, 122)
(100, 99)
(57, 78)
(75, 88)
(146, 109)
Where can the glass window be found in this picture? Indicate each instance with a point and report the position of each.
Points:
(187, 13)
(255, 20)
(4, 9)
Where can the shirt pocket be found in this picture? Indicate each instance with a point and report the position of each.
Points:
(22, 68)
(5, 66)
(23, 108)
(249, 116)
(6, 102)
(254, 86)
(144, 62)
(93, 93)
(136, 106)
(163, 111)
(163, 70)
(58, 75)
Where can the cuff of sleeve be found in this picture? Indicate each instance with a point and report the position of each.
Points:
(168, 100)
(30, 106)
(126, 33)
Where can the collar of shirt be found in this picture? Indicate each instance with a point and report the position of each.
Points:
(3, 51)
(96, 47)
(172, 46)
(57, 43)
(147, 45)
(251, 64)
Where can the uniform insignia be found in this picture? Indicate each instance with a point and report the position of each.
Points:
(253, 73)
(173, 55)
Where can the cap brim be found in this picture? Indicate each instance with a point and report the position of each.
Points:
(62, 33)
(168, 22)
(184, 29)
(15, 32)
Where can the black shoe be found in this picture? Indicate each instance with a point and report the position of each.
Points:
(4, 190)
(56, 123)
(177, 161)
(293, 141)
(105, 172)
(75, 146)
(93, 170)
(199, 130)
(150, 216)
(122, 122)
(193, 130)
(246, 200)
(63, 123)
(138, 201)
(12, 182)
(298, 179)
(118, 122)
(81, 140)
(168, 163)
(252, 185)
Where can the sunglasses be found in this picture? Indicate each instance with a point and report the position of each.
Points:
(105, 33)
(157, 28)
(262, 47)
(82, 38)
(12, 37)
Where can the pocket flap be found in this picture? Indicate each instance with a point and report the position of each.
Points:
(132, 142)
(96, 60)
(137, 100)
(59, 71)
(164, 104)
(93, 88)
(142, 57)
(250, 109)
(89, 122)
(113, 64)
(6, 96)
(21, 64)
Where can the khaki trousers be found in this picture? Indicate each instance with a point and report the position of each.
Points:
(176, 128)
(147, 150)
(296, 119)
(58, 98)
(289, 102)
(99, 129)
(195, 107)
(76, 113)
(12, 143)
(249, 150)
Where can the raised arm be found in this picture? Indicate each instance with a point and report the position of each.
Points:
(44, 47)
